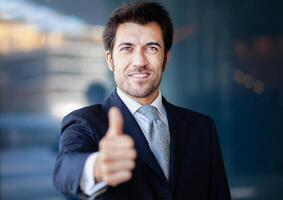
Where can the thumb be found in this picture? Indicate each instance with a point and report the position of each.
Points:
(115, 122)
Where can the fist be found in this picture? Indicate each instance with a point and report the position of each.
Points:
(117, 154)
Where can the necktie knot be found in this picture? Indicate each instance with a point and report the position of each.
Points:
(149, 111)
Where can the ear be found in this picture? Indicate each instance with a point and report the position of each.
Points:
(167, 57)
(166, 60)
(109, 60)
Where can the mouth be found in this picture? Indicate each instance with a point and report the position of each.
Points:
(140, 75)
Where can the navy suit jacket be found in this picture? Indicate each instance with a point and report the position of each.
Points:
(196, 166)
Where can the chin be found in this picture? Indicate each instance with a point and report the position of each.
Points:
(139, 92)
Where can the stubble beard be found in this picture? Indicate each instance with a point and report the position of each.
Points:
(138, 92)
(141, 93)
(135, 92)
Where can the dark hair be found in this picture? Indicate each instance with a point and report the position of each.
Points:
(140, 13)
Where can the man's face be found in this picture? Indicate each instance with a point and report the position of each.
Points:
(137, 59)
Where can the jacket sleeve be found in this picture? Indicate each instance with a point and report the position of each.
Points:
(77, 142)
(219, 188)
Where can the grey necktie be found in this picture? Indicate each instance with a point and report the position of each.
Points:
(158, 137)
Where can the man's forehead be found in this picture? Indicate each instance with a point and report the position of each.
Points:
(136, 33)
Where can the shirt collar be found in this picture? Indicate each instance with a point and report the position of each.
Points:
(133, 106)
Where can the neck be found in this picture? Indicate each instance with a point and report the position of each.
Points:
(147, 100)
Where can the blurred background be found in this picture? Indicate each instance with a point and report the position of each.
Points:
(226, 61)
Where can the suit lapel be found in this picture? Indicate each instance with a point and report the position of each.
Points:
(177, 139)
(132, 128)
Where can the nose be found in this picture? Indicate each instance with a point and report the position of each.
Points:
(139, 59)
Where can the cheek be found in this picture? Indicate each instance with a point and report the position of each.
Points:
(156, 60)
(120, 62)
(119, 73)
(158, 66)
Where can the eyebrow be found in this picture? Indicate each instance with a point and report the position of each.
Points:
(125, 44)
(153, 43)
(130, 44)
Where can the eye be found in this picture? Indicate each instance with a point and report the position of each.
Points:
(126, 49)
(152, 49)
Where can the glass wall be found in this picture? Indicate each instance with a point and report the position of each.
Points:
(226, 61)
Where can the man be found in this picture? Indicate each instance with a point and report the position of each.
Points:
(137, 145)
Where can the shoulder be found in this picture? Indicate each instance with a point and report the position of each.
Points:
(198, 125)
(187, 114)
(87, 115)
(87, 112)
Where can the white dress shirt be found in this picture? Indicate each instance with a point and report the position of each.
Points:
(87, 183)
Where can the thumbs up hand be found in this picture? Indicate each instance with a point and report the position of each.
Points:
(117, 154)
